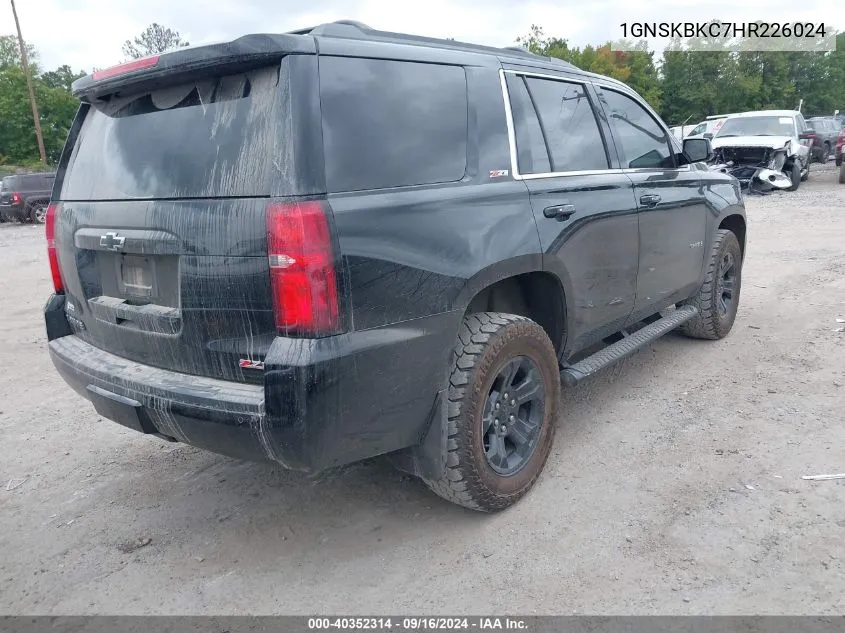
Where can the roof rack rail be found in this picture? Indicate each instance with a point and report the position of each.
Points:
(353, 29)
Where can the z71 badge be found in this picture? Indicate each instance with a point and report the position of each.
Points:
(498, 173)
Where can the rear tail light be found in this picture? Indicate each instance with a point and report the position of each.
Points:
(303, 279)
(128, 67)
(50, 228)
(16, 198)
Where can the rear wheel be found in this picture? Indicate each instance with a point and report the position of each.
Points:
(718, 298)
(795, 176)
(38, 213)
(503, 399)
(825, 153)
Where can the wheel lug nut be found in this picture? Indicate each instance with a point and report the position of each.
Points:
(513, 403)
(504, 429)
(511, 418)
(496, 405)
(496, 421)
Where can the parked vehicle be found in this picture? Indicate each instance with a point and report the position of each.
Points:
(825, 131)
(24, 197)
(840, 148)
(321, 246)
(707, 128)
(765, 149)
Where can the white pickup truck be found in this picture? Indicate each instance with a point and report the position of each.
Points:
(765, 149)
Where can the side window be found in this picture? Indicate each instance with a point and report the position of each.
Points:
(531, 151)
(391, 123)
(699, 129)
(569, 125)
(641, 142)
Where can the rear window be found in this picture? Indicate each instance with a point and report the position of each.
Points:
(8, 183)
(392, 123)
(213, 137)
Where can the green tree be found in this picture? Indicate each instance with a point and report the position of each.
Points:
(62, 77)
(10, 54)
(155, 39)
(17, 137)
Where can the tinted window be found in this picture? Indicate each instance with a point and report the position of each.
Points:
(210, 137)
(640, 141)
(392, 124)
(569, 124)
(532, 154)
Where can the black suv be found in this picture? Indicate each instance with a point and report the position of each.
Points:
(25, 197)
(322, 246)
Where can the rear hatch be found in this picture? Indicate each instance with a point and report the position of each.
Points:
(161, 229)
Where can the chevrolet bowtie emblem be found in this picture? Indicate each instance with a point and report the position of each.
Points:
(112, 241)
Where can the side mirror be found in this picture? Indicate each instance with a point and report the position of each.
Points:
(708, 135)
(698, 150)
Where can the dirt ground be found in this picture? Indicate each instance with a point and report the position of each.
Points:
(674, 485)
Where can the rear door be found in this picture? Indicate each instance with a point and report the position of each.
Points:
(583, 204)
(670, 199)
(161, 231)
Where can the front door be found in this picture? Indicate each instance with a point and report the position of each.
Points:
(671, 202)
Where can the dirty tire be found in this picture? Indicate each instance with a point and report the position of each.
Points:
(794, 176)
(842, 174)
(710, 322)
(825, 153)
(487, 341)
(38, 213)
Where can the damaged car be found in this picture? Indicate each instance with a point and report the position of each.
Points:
(764, 150)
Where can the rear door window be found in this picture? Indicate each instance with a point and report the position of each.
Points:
(213, 137)
(392, 123)
(531, 151)
(569, 125)
(640, 140)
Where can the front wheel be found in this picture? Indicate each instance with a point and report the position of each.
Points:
(718, 298)
(504, 390)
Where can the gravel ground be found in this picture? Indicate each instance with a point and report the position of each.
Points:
(674, 485)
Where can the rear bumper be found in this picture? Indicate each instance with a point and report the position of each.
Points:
(12, 211)
(324, 402)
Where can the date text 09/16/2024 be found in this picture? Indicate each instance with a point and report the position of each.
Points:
(417, 623)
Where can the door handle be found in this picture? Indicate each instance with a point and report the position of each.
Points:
(649, 199)
(559, 212)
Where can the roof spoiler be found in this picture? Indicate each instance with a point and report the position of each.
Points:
(148, 73)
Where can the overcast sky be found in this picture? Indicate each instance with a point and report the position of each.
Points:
(89, 33)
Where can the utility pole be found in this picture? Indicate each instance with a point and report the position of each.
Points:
(29, 87)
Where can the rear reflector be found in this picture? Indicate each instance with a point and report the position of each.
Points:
(16, 198)
(302, 272)
(50, 228)
(128, 67)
